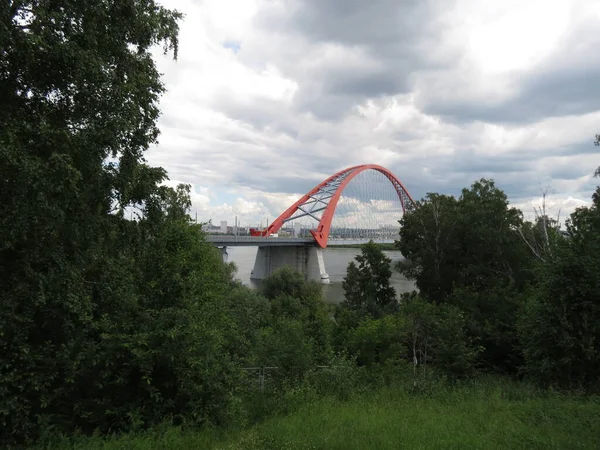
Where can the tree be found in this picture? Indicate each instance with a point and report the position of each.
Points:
(492, 252)
(296, 304)
(468, 252)
(540, 236)
(288, 282)
(79, 93)
(367, 285)
(470, 242)
(377, 341)
(249, 312)
(597, 143)
(560, 327)
(156, 344)
(437, 334)
(429, 241)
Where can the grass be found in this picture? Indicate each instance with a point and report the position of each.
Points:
(479, 415)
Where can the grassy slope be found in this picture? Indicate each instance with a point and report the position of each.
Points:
(484, 416)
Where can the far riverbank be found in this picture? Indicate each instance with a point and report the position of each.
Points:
(382, 246)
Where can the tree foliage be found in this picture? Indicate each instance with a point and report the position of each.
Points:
(297, 304)
(468, 252)
(560, 328)
(541, 234)
(437, 334)
(106, 323)
(420, 333)
(367, 287)
(429, 240)
(597, 143)
(469, 242)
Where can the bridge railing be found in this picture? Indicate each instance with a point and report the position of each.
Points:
(289, 239)
(244, 238)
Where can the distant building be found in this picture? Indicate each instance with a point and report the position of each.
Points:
(224, 226)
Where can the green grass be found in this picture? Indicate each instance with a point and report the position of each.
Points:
(481, 415)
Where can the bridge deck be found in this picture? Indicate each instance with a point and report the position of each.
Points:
(261, 241)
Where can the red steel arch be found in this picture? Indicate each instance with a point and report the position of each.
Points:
(325, 196)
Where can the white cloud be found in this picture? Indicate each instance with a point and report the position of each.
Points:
(513, 35)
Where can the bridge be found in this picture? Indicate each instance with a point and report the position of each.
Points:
(260, 241)
(263, 241)
(319, 205)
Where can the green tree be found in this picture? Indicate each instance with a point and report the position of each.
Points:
(378, 341)
(468, 252)
(560, 327)
(472, 242)
(429, 240)
(541, 236)
(106, 323)
(286, 346)
(597, 143)
(156, 347)
(367, 287)
(296, 305)
(421, 333)
(491, 251)
(288, 282)
(249, 312)
(438, 335)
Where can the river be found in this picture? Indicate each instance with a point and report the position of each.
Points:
(336, 262)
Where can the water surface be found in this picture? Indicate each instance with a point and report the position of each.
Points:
(336, 263)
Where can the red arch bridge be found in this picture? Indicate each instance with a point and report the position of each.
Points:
(304, 251)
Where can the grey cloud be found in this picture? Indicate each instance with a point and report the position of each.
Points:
(369, 84)
(566, 171)
(381, 24)
(333, 96)
(443, 177)
(467, 162)
(582, 148)
(392, 35)
(329, 108)
(278, 183)
(552, 94)
(264, 115)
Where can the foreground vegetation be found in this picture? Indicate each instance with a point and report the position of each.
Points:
(490, 414)
(115, 326)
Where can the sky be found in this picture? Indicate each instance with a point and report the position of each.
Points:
(269, 97)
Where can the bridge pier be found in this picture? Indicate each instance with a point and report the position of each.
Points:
(303, 258)
(224, 254)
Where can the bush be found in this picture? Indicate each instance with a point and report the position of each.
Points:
(437, 335)
(378, 341)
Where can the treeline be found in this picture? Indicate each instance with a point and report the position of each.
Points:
(496, 294)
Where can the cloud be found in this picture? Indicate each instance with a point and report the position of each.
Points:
(512, 75)
(270, 97)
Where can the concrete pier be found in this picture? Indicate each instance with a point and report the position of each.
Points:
(224, 254)
(303, 258)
